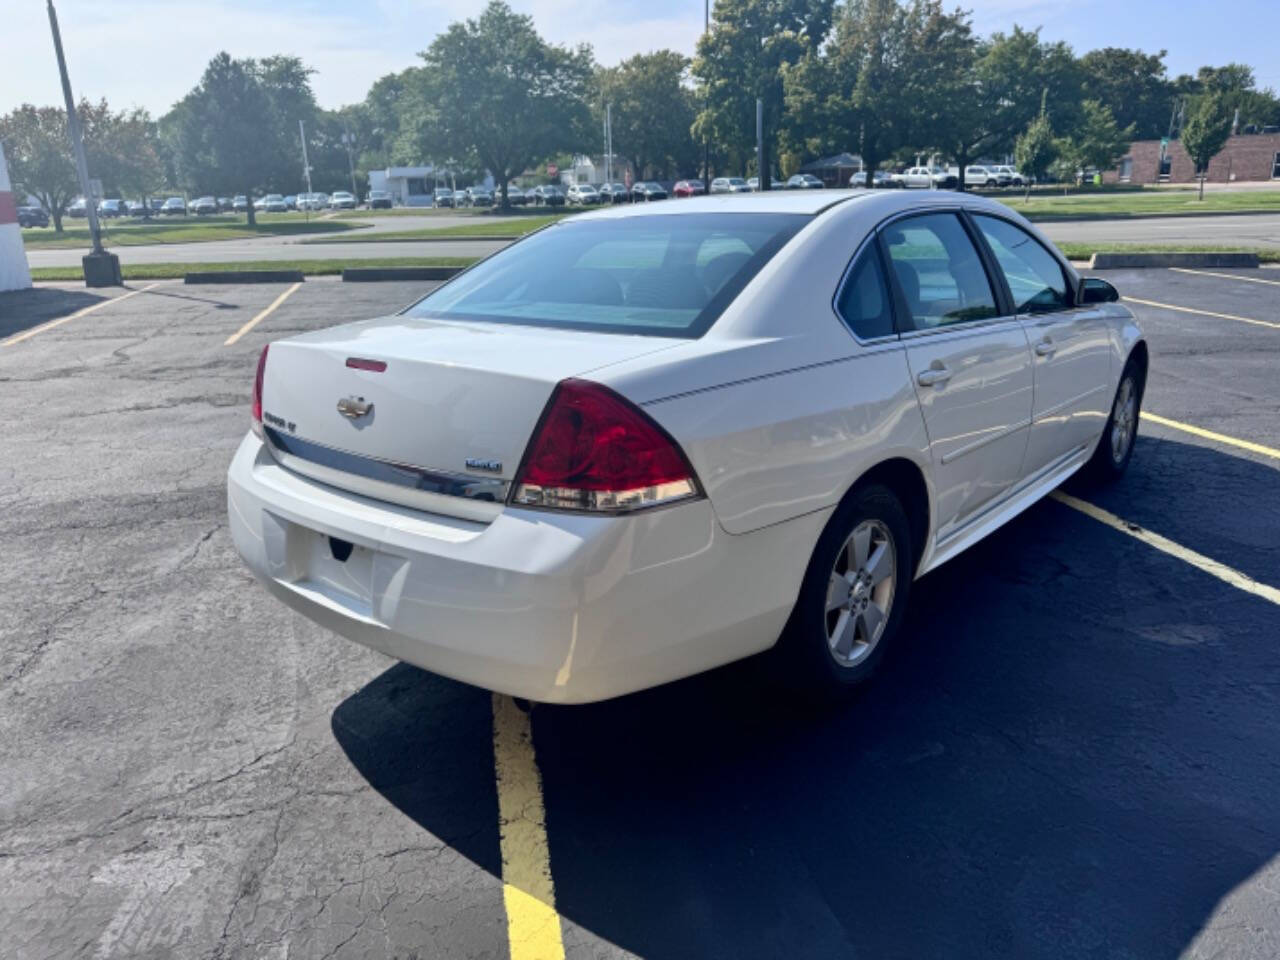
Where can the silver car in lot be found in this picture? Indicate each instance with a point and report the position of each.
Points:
(648, 440)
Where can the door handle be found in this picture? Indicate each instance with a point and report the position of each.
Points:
(935, 375)
(1046, 348)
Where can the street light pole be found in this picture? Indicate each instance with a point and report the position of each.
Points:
(101, 269)
(351, 165)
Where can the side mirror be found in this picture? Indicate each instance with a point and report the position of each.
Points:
(1094, 290)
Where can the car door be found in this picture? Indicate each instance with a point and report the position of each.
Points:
(1070, 344)
(969, 362)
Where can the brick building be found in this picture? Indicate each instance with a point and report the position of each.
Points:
(1245, 157)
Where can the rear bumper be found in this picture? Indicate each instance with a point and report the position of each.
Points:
(553, 607)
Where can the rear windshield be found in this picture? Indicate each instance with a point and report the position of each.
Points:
(666, 276)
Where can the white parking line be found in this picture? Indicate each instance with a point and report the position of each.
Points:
(1203, 313)
(1198, 560)
(1225, 276)
(262, 316)
(28, 334)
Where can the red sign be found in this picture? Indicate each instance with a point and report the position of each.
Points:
(552, 169)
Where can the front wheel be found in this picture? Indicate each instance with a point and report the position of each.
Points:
(853, 597)
(1115, 447)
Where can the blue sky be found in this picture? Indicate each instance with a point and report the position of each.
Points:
(150, 52)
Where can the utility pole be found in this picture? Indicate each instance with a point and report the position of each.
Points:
(346, 140)
(608, 143)
(306, 167)
(766, 177)
(101, 269)
(706, 141)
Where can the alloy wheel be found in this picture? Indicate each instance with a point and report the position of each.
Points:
(860, 593)
(1124, 420)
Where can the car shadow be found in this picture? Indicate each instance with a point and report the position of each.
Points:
(23, 309)
(1072, 752)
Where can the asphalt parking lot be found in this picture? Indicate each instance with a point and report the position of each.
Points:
(1075, 752)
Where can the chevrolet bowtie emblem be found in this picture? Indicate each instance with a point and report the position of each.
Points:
(353, 408)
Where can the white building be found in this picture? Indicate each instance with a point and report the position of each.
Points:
(408, 186)
(14, 274)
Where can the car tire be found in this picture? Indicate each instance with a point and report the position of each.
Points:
(1115, 447)
(826, 650)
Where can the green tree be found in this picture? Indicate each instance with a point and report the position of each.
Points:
(1096, 138)
(741, 58)
(286, 83)
(221, 134)
(652, 111)
(504, 95)
(1135, 85)
(879, 79)
(993, 98)
(39, 154)
(1036, 150)
(1205, 132)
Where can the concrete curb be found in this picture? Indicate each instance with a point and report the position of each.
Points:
(244, 276)
(368, 274)
(1115, 261)
(1172, 215)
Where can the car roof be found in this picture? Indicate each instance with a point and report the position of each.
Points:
(771, 201)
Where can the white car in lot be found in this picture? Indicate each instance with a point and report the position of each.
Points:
(653, 439)
(730, 185)
(583, 195)
(341, 200)
(312, 201)
(976, 175)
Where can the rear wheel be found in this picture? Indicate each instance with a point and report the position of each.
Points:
(853, 596)
(1115, 448)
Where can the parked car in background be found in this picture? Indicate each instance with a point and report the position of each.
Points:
(923, 178)
(647, 190)
(688, 188)
(240, 204)
(32, 217)
(976, 175)
(477, 197)
(601, 466)
(730, 185)
(614, 193)
(515, 196)
(548, 195)
(582, 195)
(272, 203)
(174, 207)
(443, 197)
(883, 179)
(312, 201)
(774, 183)
(341, 200)
(224, 204)
(291, 201)
(112, 208)
(203, 206)
(378, 200)
(137, 208)
(804, 181)
(78, 209)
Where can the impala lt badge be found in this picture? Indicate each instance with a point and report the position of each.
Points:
(353, 408)
(479, 463)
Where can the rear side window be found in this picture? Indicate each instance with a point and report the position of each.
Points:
(659, 275)
(1034, 275)
(939, 271)
(864, 302)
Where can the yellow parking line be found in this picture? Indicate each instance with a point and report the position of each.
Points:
(28, 334)
(262, 316)
(533, 925)
(1225, 276)
(1203, 313)
(1198, 560)
(1210, 435)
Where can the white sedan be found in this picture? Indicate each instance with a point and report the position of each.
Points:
(646, 441)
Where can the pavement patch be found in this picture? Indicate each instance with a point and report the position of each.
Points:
(27, 334)
(1203, 313)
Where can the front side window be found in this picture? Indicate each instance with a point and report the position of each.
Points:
(1035, 277)
(939, 270)
(669, 276)
(864, 302)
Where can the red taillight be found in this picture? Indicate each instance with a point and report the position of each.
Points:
(594, 450)
(257, 391)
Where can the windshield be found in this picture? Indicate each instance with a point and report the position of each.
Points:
(668, 276)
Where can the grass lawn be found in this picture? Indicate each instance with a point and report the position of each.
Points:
(132, 234)
(1089, 205)
(313, 268)
(516, 227)
(1083, 251)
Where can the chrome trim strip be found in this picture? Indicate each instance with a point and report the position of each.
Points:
(979, 444)
(453, 494)
(1058, 407)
